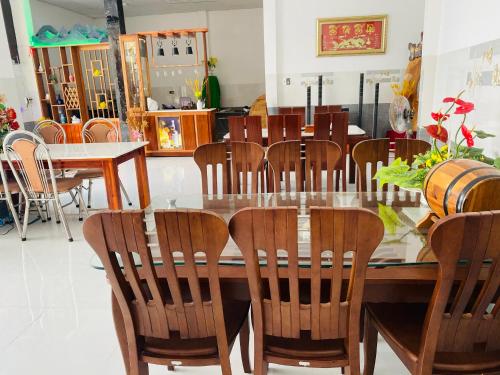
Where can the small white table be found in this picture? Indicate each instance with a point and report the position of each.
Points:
(105, 156)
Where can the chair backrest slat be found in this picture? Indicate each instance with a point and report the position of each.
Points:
(321, 156)
(466, 319)
(283, 128)
(300, 111)
(213, 155)
(245, 129)
(407, 148)
(282, 310)
(246, 157)
(285, 159)
(327, 108)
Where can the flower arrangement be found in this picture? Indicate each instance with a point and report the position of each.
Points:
(412, 176)
(137, 122)
(196, 87)
(8, 120)
(212, 63)
(406, 89)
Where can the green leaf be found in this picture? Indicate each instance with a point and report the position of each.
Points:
(389, 217)
(496, 163)
(399, 173)
(482, 134)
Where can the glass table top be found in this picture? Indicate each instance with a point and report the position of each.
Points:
(403, 244)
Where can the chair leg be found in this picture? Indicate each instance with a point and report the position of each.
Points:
(370, 345)
(56, 212)
(25, 220)
(89, 195)
(170, 368)
(81, 206)
(20, 204)
(63, 218)
(40, 213)
(260, 365)
(125, 193)
(244, 347)
(14, 213)
(73, 198)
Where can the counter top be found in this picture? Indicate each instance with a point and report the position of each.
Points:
(166, 111)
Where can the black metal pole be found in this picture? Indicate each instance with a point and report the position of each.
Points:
(320, 90)
(360, 106)
(10, 31)
(308, 114)
(115, 23)
(375, 111)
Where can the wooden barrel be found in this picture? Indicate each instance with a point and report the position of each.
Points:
(462, 185)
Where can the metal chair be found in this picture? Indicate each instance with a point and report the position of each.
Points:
(50, 131)
(29, 159)
(99, 130)
(7, 187)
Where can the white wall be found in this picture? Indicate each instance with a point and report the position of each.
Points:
(46, 14)
(235, 37)
(456, 36)
(290, 44)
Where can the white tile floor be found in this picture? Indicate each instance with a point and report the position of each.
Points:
(55, 315)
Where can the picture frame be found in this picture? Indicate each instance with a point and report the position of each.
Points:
(351, 35)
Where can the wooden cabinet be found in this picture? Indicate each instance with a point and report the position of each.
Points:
(179, 132)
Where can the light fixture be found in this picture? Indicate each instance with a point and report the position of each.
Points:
(189, 49)
(175, 49)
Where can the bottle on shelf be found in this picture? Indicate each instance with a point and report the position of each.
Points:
(59, 100)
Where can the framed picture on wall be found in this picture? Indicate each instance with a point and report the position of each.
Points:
(351, 35)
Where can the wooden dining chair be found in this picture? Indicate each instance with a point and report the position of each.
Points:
(212, 155)
(245, 129)
(301, 111)
(312, 321)
(161, 317)
(247, 160)
(283, 128)
(327, 108)
(29, 160)
(99, 130)
(370, 152)
(50, 131)
(407, 148)
(321, 156)
(458, 331)
(285, 163)
(334, 127)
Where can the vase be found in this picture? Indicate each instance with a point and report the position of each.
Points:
(199, 105)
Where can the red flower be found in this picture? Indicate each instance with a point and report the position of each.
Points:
(11, 114)
(449, 99)
(437, 132)
(463, 107)
(14, 125)
(468, 136)
(438, 116)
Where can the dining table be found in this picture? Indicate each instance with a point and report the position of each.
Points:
(105, 156)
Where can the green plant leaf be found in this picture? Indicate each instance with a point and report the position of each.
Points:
(389, 217)
(482, 134)
(496, 163)
(400, 174)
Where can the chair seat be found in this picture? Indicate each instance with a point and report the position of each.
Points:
(66, 184)
(235, 313)
(304, 347)
(90, 173)
(401, 326)
(11, 185)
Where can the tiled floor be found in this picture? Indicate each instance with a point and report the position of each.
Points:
(55, 315)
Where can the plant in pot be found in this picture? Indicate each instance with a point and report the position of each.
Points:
(445, 148)
(197, 90)
(8, 120)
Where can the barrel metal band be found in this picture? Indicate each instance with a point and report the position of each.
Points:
(454, 182)
(467, 188)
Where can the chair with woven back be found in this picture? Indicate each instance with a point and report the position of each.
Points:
(334, 127)
(99, 130)
(374, 152)
(50, 131)
(245, 129)
(321, 156)
(212, 155)
(286, 165)
(161, 317)
(247, 160)
(458, 331)
(311, 321)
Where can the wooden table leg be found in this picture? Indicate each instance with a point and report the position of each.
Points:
(141, 172)
(112, 182)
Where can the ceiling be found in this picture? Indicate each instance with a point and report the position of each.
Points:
(95, 8)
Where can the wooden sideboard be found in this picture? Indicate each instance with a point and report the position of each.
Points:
(178, 132)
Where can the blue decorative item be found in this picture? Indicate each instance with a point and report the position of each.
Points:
(79, 34)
